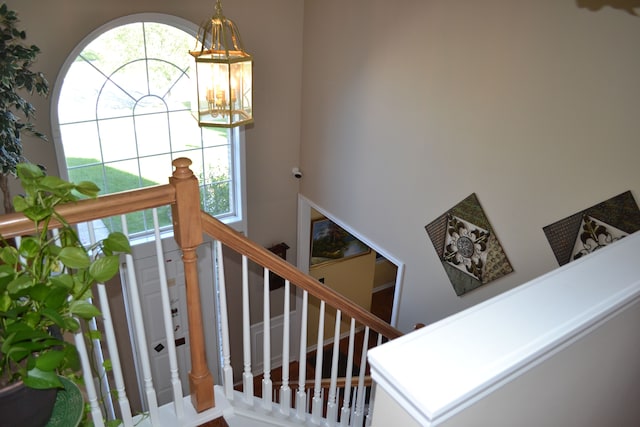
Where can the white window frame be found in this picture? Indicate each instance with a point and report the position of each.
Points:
(238, 221)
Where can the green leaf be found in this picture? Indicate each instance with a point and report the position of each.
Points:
(56, 298)
(9, 255)
(37, 378)
(37, 213)
(88, 188)
(71, 324)
(7, 274)
(117, 242)
(71, 357)
(84, 309)
(39, 292)
(104, 268)
(29, 247)
(93, 334)
(28, 171)
(62, 281)
(74, 257)
(19, 284)
(49, 360)
(5, 302)
(55, 184)
(54, 316)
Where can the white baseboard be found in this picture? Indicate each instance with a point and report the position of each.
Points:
(277, 325)
(276, 331)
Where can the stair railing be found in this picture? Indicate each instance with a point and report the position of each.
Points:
(340, 405)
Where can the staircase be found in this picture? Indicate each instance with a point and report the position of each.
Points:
(328, 387)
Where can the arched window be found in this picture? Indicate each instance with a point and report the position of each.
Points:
(123, 115)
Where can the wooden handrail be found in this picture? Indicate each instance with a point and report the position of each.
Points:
(182, 193)
(262, 256)
(16, 224)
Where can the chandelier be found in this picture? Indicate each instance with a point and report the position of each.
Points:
(223, 75)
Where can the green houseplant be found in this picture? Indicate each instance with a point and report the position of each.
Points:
(16, 112)
(46, 281)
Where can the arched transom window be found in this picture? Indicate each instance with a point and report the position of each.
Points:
(124, 114)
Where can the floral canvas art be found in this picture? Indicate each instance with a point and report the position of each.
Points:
(594, 228)
(467, 246)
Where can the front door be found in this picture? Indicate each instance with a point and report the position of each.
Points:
(148, 279)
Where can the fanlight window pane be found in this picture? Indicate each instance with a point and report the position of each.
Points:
(81, 86)
(126, 42)
(155, 169)
(113, 102)
(152, 133)
(183, 135)
(118, 138)
(132, 79)
(124, 114)
(81, 141)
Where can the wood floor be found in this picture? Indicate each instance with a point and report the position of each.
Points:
(218, 422)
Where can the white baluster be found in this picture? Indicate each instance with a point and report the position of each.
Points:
(372, 397)
(176, 384)
(267, 386)
(227, 370)
(141, 338)
(285, 390)
(100, 371)
(346, 403)
(92, 397)
(359, 411)
(316, 408)
(332, 404)
(301, 407)
(123, 402)
(247, 375)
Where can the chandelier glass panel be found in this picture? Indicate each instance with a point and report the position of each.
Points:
(224, 84)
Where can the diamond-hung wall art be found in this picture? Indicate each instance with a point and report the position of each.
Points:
(593, 228)
(467, 246)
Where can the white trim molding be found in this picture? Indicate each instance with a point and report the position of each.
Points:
(557, 324)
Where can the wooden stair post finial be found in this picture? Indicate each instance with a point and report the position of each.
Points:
(188, 234)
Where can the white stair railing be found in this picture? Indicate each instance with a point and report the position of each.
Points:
(329, 401)
(318, 400)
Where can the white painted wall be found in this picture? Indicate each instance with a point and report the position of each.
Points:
(410, 106)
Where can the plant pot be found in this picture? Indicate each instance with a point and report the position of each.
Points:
(26, 407)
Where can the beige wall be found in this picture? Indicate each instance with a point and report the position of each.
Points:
(385, 273)
(407, 108)
(352, 278)
(271, 30)
(410, 106)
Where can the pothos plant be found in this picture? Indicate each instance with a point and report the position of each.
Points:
(46, 280)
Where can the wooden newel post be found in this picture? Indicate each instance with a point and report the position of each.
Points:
(188, 234)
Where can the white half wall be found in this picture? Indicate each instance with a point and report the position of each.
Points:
(560, 350)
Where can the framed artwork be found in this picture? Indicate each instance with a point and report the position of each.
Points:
(467, 246)
(593, 228)
(330, 243)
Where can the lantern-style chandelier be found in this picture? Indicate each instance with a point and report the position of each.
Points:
(223, 75)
